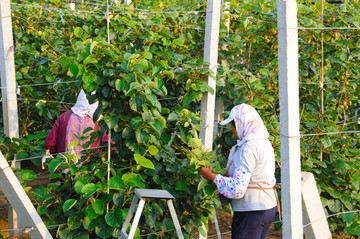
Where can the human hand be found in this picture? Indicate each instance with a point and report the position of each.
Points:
(207, 173)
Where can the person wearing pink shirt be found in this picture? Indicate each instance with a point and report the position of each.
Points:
(72, 123)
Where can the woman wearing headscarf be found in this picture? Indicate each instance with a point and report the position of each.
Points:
(72, 123)
(250, 179)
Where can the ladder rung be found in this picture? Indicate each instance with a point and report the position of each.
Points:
(153, 193)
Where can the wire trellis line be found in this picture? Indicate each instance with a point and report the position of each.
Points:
(50, 83)
(54, 154)
(125, 10)
(329, 28)
(319, 134)
(46, 101)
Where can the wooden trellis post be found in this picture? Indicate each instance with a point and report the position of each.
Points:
(17, 197)
(289, 119)
(211, 45)
(219, 105)
(207, 113)
(8, 91)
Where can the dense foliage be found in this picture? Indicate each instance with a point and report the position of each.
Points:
(148, 81)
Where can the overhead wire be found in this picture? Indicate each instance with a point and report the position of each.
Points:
(137, 10)
(55, 154)
(48, 101)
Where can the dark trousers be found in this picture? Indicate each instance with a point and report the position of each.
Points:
(252, 224)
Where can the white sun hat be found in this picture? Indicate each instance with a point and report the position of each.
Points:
(230, 118)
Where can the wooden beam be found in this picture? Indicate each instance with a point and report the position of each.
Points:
(207, 113)
(219, 104)
(22, 204)
(8, 91)
(314, 218)
(289, 119)
(7, 66)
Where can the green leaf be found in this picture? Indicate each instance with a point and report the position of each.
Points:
(90, 60)
(89, 223)
(348, 217)
(78, 31)
(132, 180)
(170, 74)
(119, 198)
(111, 120)
(92, 45)
(54, 164)
(119, 84)
(64, 232)
(357, 230)
(114, 218)
(148, 55)
(326, 142)
(89, 189)
(90, 213)
(116, 183)
(144, 63)
(88, 78)
(69, 204)
(202, 184)
(195, 143)
(89, 87)
(153, 150)
(136, 122)
(157, 126)
(334, 205)
(141, 136)
(173, 117)
(127, 133)
(40, 191)
(65, 61)
(109, 53)
(181, 186)
(136, 102)
(27, 175)
(100, 173)
(74, 69)
(98, 206)
(103, 231)
(177, 42)
(78, 186)
(146, 163)
(73, 222)
(333, 193)
(73, 144)
(109, 72)
(73, 169)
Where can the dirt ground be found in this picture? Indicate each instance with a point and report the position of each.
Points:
(224, 217)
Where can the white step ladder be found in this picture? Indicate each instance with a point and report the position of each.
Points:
(139, 200)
